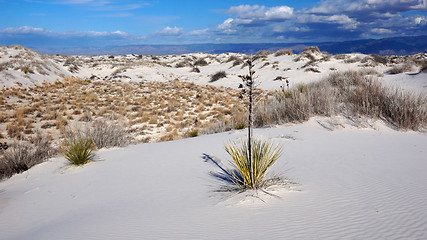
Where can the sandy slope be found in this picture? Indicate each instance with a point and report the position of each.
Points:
(353, 184)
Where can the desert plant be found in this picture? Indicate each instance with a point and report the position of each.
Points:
(200, 62)
(396, 69)
(240, 125)
(217, 76)
(103, 133)
(252, 162)
(193, 133)
(351, 94)
(79, 151)
(282, 52)
(21, 156)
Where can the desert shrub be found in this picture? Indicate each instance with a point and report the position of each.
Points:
(380, 59)
(312, 69)
(103, 133)
(252, 176)
(14, 129)
(182, 64)
(350, 94)
(237, 62)
(282, 52)
(263, 53)
(401, 68)
(21, 156)
(353, 60)
(240, 125)
(265, 64)
(193, 133)
(79, 151)
(232, 58)
(200, 62)
(218, 75)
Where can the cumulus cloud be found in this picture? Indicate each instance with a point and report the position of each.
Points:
(381, 31)
(261, 13)
(364, 6)
(171, 31)
(343, 20)
(226, 26)
(26, 35)
(25, 29)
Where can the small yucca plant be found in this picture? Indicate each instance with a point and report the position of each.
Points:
(79, 151)
(252, 175)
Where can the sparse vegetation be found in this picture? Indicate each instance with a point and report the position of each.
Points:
(193, 133)
(350, 94)
(103, 133)
(218, 75)
(252, 166)
(282, 52)
(401, 68)
(22, 155)
(79, 151)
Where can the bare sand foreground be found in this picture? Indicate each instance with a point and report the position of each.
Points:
(351, 184)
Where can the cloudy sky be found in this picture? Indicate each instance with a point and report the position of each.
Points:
(79, 23)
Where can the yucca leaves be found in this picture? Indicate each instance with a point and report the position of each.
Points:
(264, 155)
(80, 151)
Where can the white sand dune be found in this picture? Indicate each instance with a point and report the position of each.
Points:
(352, 184)
(136, 68)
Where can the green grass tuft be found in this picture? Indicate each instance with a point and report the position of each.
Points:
(193, 133)
(80, 151)
(264, 155)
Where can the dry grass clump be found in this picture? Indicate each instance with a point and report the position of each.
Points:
(400, 68)
(380, 59)
(282, 52)
(201, 62)
(22, 155)
(103, 133)
(218, 75)
(350, 94)
(148, 107)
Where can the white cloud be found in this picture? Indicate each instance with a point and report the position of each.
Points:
(420, 20)
(345, 21)
(26, 29)
(381, 31)
(42, 31)
(279, 13)
(226, 26)
(199, 32)
(261, 13)
(299, 29)
(171, 30)
(347, 6)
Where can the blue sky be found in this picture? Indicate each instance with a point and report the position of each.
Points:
(80, 23)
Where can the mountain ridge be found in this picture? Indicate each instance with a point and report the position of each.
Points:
(384, 46)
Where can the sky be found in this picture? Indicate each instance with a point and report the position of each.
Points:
(82, 23)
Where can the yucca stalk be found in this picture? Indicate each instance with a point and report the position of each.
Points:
(248, 84)
(80, 151)
(252, 169)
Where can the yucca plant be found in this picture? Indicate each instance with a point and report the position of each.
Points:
(252, 172)
(79, 151)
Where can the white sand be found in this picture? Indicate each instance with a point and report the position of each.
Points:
(353, 184)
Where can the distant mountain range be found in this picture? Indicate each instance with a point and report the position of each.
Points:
(385, 46)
